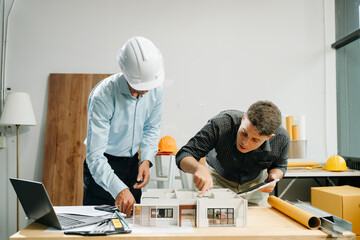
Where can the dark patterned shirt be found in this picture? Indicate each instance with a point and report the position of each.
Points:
(217, 141)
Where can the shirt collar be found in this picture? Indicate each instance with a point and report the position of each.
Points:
(124, 88)
(265, 146)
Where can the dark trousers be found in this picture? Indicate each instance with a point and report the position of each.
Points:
(126, 168)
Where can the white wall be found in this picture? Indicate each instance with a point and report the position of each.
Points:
(219, 54)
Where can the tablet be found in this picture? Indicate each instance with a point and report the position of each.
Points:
(256, 187)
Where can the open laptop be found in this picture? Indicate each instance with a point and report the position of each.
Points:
(37, 206)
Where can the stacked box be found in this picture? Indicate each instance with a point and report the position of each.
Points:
(340, 201)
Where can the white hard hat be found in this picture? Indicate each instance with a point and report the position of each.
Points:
(141, 63)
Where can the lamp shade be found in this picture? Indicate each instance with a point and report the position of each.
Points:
(18, 110)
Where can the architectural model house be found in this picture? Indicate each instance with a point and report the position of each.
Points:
(217, 208)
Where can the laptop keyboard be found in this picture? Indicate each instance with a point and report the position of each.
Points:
(65, 221)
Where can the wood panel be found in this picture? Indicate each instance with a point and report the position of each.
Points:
(66, 126)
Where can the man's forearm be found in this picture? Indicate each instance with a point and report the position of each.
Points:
(202, 178)
(189, 164)
(276, 173)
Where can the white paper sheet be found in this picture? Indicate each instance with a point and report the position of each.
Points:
(84, 210)
(186, 228)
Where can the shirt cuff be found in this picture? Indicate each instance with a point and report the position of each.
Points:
(180, 156)
(148, 156)
(283, 169)
(116, 187)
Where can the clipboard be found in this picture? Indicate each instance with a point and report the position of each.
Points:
(256, 187)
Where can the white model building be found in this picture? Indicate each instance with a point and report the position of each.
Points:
(217, 208)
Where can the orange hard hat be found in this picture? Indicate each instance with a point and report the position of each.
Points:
(167, 144)
(336, 164)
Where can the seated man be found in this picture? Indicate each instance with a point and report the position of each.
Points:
(241, 149)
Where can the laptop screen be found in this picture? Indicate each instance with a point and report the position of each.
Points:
(35, 201)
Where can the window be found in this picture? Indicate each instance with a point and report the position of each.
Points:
(137, 210)
(162, 213)
(348, 76)
(221, 216)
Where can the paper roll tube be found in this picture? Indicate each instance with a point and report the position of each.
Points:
(302, 164)
(295, 213)
(289, 124)
(295, 132)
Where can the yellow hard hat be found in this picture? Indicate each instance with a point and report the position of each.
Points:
(167, 144)
(336, 163)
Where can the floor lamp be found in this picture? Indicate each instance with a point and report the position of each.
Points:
(18, 111)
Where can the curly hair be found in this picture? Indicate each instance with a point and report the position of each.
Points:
(265, 116)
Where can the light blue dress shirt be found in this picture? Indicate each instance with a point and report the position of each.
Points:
(117, 124)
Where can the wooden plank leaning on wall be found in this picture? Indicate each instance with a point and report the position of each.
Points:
(66, 122)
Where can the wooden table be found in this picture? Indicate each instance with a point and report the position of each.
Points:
(315, 173)
(263, 223)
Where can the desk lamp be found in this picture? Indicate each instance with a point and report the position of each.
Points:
(17, 111)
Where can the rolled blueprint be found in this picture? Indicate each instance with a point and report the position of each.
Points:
(289, 124)
(302, 164)
(296, 213)
(295, 132)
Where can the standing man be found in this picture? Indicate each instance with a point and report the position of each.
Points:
(124, 110)
(241, 149)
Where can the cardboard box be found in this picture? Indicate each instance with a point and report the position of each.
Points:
(341, 201)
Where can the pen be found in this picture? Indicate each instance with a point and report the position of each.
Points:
(122, 220)
(100, 224)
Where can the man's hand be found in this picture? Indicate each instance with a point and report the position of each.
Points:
(144, 175)
(202, 179)
(273, 174)
(125, 201)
